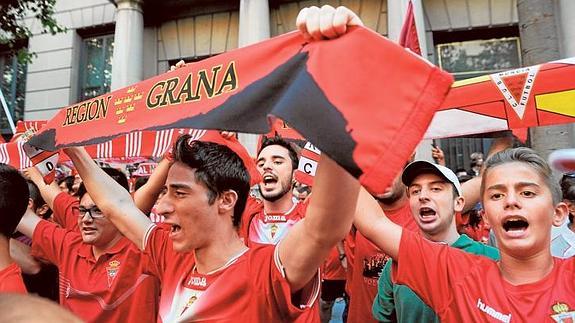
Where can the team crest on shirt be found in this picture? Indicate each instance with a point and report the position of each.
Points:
(189, 304)
(273, 230)
(562, 313)
(112, 269)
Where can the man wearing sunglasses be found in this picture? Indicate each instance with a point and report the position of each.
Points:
(101, 272)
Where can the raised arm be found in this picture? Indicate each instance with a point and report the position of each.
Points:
(328, 219)
(147, 195)
(28, 223)
(48, 191)
(114, 201)
(371, 221)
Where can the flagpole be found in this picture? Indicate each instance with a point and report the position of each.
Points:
(8, 115)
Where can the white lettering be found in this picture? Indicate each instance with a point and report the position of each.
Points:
(197, 281)
(492, 312)
(275, 218)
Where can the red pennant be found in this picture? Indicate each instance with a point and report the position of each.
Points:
(408, 37)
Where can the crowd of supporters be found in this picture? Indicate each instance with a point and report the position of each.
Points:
(194, 241)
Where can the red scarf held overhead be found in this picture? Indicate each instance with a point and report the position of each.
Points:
(361, 99)
(140, 144)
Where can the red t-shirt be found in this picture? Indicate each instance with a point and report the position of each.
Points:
(271, 228)
(251, 287)
(11, 280)
(349, 248)
(367, 266)
(64, 214)
(332, 268)
(462, 287)
(113, 288)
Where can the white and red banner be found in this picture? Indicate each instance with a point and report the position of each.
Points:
(308, 161)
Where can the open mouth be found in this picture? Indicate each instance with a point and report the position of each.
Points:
(426, 211)
(515, 224)
(269, 179)
(175, 228)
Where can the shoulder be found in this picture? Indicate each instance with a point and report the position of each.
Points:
(477, 248)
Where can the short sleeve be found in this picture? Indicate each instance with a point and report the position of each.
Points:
(269, 278)
(383, 308)
(158, 248)
(64, 213)
(11, 280)
(50, 242)
(431, 269)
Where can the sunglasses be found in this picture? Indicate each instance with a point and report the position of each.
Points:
(94, 212)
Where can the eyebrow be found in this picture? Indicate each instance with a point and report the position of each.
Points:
(520, 184)
(272, 157)
(177, 186)
(431, 183)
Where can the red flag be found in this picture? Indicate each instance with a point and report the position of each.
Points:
(356, 98)
(408, 37)
(526, 97)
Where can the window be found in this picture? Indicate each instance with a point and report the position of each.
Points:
(478, 57)
(13, 86)
(471, 53)
(96, 66)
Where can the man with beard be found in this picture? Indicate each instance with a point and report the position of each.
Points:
(267, 222)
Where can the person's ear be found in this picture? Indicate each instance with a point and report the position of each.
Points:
(560, 212)
(458, 204)
(227, 201)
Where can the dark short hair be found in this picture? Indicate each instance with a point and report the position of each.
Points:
(528, 157)
(14, 197)
(217, 167)
(69, 180)
(279, 141)
(140, 181)
(115, 174)
(37, 198)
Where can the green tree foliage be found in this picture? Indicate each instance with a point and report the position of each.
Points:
(13, 29)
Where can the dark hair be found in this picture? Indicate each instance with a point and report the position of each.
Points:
(37, 198)
(115, 174)
(567, 183)
(217, 167)
(14, 196)
(526, 156)
(568, 190)
(140, 181)
(69, 180)
(279, 141)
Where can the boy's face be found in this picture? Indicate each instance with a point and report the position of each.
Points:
(519, 207)
(187, 209)
(433, 204)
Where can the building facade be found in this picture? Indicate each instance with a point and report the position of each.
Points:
(113, 43)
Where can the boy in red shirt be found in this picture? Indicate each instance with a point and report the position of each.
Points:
(14, 196)
(522, 202)
(207, 273)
